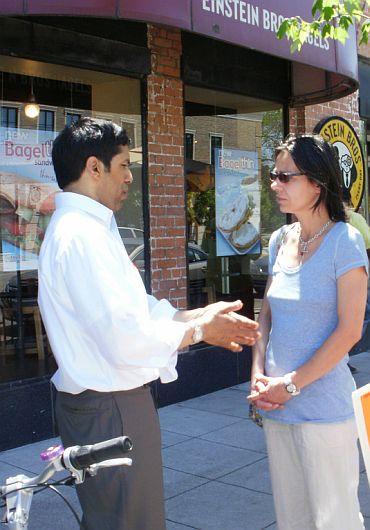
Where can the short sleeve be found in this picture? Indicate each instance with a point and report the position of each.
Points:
(350, 252)
(274, 243)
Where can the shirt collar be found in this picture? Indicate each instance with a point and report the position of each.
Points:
(67, 199)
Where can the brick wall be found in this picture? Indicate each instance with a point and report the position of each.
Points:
(346, 107)
(304, 119)
(297, 120)
(166, 167)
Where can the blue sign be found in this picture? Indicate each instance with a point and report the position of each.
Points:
(237, 202)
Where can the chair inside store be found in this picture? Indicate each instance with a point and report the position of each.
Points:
(20, 313)
(9, 321)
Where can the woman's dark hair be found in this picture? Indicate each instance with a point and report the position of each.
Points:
(318, 160)
(77, 142)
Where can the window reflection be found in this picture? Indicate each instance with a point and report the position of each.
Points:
(243, 132)
(28, 188)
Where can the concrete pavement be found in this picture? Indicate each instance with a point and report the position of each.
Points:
(215, 467)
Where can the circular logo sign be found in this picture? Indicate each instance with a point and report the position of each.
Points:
(340, 133)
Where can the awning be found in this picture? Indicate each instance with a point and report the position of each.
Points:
(323, 70)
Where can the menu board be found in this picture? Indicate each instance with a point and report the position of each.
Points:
(27, 191)
(238, 201)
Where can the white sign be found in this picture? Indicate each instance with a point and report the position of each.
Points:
(27, 189)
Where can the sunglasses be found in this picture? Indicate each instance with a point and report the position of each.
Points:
(283, 176)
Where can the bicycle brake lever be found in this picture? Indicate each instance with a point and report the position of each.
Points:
(94, 468)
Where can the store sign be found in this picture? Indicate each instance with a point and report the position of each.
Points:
(27, 190)
(237, 202)
(255, 26)
(251, 24)
(340, 133)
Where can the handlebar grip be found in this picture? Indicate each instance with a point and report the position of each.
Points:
(84, 456)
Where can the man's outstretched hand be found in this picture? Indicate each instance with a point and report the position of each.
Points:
(222, 326)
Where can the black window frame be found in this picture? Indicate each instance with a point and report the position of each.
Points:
(5, 123)
(189, 134)
(212, 147)
(46, 113)
(72, 115)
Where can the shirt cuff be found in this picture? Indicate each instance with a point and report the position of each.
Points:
(161, 309)
(169, 373)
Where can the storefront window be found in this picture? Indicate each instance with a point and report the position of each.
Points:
(231, 211)
(28, 187)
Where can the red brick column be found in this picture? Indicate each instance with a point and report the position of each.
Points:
(297, 120)
(166, 167)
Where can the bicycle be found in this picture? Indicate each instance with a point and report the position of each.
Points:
(80, 461)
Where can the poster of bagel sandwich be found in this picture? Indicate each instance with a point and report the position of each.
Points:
(27, 191)
(238, 200)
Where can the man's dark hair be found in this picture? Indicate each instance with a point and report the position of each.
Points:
(318, 160)
(78, 141)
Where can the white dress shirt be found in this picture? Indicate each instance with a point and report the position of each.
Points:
(105, 331)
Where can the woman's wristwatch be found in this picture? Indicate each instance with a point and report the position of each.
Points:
(290, 387)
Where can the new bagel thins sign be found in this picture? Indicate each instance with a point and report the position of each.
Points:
(237, 202)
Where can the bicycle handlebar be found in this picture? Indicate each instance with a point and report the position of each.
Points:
(81, 457)
(80, 461)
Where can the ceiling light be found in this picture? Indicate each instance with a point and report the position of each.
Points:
(32, 108)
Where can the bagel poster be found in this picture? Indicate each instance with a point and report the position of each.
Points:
(237, 202)
(340, 133)
(27, 189)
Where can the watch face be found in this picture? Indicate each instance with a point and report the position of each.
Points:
(291, 388)
(198, 334)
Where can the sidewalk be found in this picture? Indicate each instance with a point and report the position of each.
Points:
(215, 467)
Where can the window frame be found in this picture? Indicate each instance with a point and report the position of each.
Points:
(130, 121)
(192, 133)
(72, 112)
(8, 108)
(12, 105)
(45, 108)
(211, 136)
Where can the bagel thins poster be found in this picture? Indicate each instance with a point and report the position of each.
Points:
(238, 201)
(27, 191)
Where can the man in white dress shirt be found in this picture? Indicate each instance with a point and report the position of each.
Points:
(109, 337)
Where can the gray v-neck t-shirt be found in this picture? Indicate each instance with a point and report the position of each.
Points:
(303, 303)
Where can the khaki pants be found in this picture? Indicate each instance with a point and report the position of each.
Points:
(314, 471)
(119, 498)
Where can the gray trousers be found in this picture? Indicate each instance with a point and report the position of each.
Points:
(119, 498)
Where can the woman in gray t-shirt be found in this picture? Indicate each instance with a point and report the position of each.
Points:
(311, 316)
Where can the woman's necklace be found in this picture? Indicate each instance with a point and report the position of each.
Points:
(305, 244)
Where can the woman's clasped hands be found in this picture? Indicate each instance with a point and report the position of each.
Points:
(268, 393)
